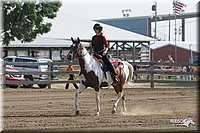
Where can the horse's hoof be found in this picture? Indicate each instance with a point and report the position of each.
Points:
(77, 113)
(97, 114)
(113, 111)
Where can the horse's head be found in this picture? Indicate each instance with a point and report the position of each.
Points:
(75, 49)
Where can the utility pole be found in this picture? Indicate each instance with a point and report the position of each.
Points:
(183, 29)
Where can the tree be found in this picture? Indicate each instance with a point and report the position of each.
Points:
(24, 21)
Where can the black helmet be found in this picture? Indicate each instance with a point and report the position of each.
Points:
(98, 27)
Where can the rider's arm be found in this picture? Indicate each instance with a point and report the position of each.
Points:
(106, 45)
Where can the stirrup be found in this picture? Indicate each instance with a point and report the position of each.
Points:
(115, 80)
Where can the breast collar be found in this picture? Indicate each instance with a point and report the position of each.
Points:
(82, 55)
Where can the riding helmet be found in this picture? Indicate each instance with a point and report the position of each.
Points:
(98, 27)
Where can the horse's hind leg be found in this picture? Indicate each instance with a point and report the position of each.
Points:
(119, 96)
(123, 103)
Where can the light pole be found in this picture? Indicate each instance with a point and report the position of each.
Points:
(191, 54)
(154, 8)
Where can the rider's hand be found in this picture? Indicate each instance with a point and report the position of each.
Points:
(104, 53)
(90, 45)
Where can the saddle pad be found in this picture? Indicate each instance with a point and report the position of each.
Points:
(117, 64)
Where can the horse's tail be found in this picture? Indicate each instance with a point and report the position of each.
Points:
(130, 67)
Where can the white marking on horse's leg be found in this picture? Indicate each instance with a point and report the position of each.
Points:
(119, 96)
(80, 89)
(98, 102)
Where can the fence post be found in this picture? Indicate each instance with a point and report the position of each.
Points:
(152, 74)
(175, 70)
(3, 72)
(49, 74)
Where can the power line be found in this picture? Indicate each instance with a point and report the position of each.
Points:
(163, 34)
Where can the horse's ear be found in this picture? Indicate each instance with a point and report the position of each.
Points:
(78, 40)
(72, 39)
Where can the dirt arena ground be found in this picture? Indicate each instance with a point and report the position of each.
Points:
(53, 109)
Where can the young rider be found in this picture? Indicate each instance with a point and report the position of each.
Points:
(100, 46)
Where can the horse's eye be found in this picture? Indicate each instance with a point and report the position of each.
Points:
(74, 48)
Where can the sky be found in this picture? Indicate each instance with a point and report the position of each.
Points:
(103, 9)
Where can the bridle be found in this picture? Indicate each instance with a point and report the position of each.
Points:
(76, 52)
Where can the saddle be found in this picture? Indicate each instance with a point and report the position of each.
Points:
(104, 68)
(98, 58)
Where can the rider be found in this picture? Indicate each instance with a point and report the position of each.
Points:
(100, 46)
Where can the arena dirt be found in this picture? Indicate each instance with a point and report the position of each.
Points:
(54, 109)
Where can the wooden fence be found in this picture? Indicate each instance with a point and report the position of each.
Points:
(145, 72)
(164, 72)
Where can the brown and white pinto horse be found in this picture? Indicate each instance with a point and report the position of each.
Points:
(91, 75)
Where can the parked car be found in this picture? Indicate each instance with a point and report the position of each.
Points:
(35, 68)
(13, 77)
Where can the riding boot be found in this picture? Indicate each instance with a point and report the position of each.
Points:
(111, 69)
(115, 79)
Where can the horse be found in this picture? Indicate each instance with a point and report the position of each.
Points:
(92, 75)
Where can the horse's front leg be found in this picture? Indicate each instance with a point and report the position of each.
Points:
(80, 89)
(98, 102)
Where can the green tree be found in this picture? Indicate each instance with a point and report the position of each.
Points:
(25, 20)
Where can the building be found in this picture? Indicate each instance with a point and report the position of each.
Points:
(143, 24)
(185, 51)
(138, 25)
(52, 44)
